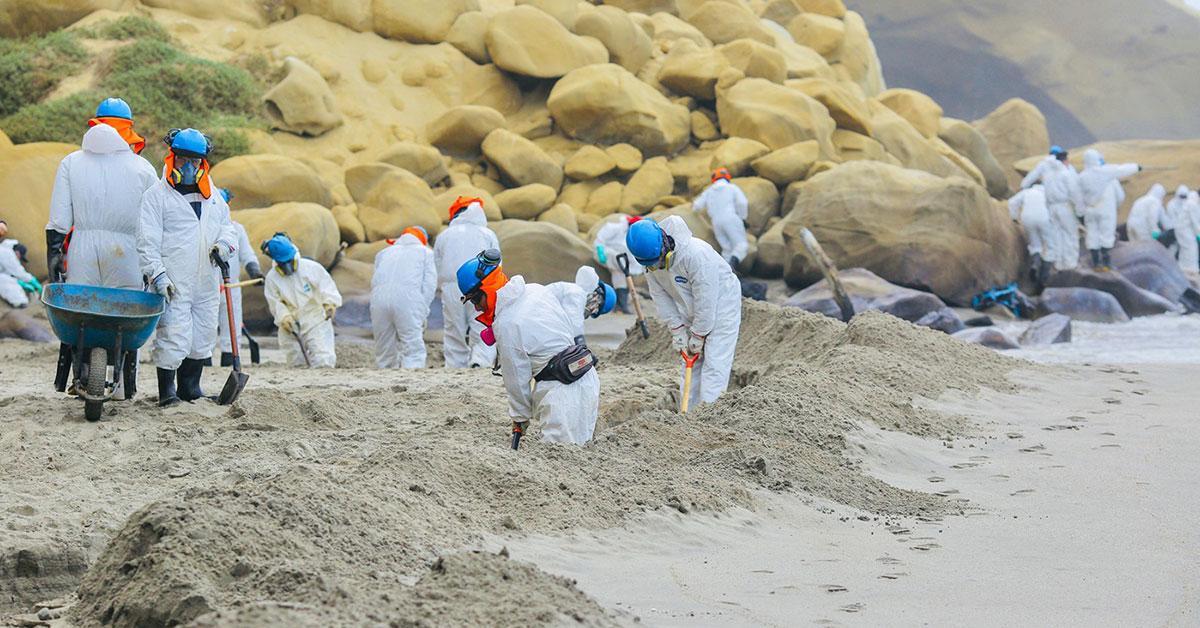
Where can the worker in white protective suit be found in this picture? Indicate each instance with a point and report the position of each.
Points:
(1171, 218)
(1102, 194)
(1028, 207)
(696, 294)
(402, 289)
(610, 246)
(244, 260)
(303, 300)
(91, 235)
(467, 235)
(727, 209)
(15, 281)
(1146, 216)
(185, 224)
(1187, 227)
(538, 331)
(1064, 198)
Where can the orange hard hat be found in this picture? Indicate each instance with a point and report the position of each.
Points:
(462, 203)
(419, 232)
(721, 173)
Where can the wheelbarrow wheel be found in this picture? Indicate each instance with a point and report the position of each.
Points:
(97, 367)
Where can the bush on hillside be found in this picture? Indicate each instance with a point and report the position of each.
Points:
(129, 27)
(32, 67)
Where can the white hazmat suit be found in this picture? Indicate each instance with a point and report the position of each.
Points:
(402, 289)
(303, 295)
(12, 272)
(1029, 207)
(1101, 199)
(466, 236)
(533, 324)
(1146, 215)
(1187, 227)
(1064, 199)
(98, 192)
(612, 237)
(727, 209)
(700, 292)
(242, 258)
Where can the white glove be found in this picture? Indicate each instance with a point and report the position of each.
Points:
(162, 285)
(288, 324)
(679, 337)
(695, 344)
(330, 310)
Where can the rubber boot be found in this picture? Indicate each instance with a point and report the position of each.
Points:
(1096, 260)
(226, 358)
(623, 301)
(1106, 259)
(1035, 268)
(1045, 271)
(166, 388)
(189, 379)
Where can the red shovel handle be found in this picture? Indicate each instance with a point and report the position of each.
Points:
(689, 360)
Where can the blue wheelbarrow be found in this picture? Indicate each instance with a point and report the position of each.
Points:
(99, 327)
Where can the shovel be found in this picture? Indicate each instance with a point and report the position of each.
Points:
(623, 263)
(255, 354)
(689, 361)
(237, 379)
(300, 341)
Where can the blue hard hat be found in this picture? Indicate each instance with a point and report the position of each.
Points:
(280, 248)
(114, 108)
(189, 143)
(471, 274)
(610, 300)
(645, 242)
(1057, 150)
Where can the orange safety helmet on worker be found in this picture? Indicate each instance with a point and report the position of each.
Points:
(417, 231)
(721, 173)
(461, 203)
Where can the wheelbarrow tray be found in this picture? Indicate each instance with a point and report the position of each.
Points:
(93, 316)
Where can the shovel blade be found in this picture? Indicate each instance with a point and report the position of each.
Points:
(233, 387)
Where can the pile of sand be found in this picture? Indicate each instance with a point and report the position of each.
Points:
(322, 497)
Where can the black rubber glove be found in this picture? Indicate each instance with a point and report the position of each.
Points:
(55, 257)
(254, 270)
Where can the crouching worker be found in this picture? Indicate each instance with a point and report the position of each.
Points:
(698, 297)
(538, 333)
(303, 299)
(402, 289)
(15, 281)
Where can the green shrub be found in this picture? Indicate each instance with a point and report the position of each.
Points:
(31, 68)
(58, 120)
(140, 54)
(131, 27)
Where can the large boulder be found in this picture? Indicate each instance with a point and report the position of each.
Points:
(906, 144)
(302, 102)
(1081, 304)
(1134, 300)
(867, 291)
(562, 215)
(736, 153)
(692, 70)
(1014, 131)
(846, 108)
(647, 186)
(606, 104)
(822, 33)
(542, 252)
(526, 202)
(755, 59)
(920, 110)
(788, 164)
(853, 146)
(1150, 266)
(529, 42)
(772, 253)
(762, 202)
(460, 130)
(800, 62)
(1047, 330)
(469, 35)
(418, 21)
(589, 162)
(628, 44)
(945, 320)
(967, 141)
(989, 337)
(264, 180)
(774, 115)
(353, 14)
(723, 22)
(350, 228)
(920, 231)
(520, 161)
(309, 225)
(424, 161)
(857, 59)
(26, 181)
(390, 199)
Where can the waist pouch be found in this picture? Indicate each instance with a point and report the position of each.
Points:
(568, 366)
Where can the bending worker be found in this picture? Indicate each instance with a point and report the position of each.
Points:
(303, 300)
(244, 259)
(696, 294)
(538, 331)
(1146, 216)
(183, 224)
(402, 289)
(1029, 208)
(1064, 198)
(610, 245)
(727, 209)
(96, 199)
(467, 235)
(1102, 194)
(15, 281)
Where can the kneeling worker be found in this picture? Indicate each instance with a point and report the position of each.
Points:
(696, 294)
(303, 299)
(538, 332)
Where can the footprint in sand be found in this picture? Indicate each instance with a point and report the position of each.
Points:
(925, 547)
(935, 479)
(1078, 419)
(980, 458)
(893, 576)
(898, 530)
(1015, 435)
(1033, 449)
(889, 560)
(834, 588)
(1000, 477)
(853, 608)
(1113, 445)
(1058, 428)
(965, 465)
(1024, 491)
(946, 493)
(1112, 401)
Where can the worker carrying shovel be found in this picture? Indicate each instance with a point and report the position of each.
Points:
(303, 299)
(698, 297)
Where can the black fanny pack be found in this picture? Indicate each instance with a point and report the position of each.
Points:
(569, 365)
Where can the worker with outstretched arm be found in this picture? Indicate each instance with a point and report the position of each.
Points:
(697, 296)
(303, 299)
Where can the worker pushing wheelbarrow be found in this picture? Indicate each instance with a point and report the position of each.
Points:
(103, 327)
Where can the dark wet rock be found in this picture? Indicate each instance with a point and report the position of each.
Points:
(1048, 330)
(1082, 304)
(1134, 300)
(944, 320)
(987, 336)
(868, 291)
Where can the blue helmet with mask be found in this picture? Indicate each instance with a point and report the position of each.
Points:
(471, 274)
(190, 148)
(281, 250)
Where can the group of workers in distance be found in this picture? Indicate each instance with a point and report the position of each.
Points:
(115, 222)
(1054, 197)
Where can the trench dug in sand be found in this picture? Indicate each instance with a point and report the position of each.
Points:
(325, 498)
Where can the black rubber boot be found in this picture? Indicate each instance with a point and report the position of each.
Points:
(1035, 268)
(226, 358)
(166, 388)
(189, 379)
(1095, 259)
(1106, 258)
(1046, 269)
(623, 301)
